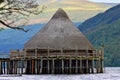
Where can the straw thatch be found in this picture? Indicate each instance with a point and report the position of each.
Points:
(59, 33)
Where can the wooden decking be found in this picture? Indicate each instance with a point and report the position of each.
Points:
(53, 62)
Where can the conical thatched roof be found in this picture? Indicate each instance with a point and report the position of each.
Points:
(59, 33)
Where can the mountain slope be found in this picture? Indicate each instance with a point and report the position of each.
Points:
(15, 39)
(104, 29)
(77, 9)
(107, 17)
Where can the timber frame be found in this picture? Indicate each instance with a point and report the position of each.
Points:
(41, 61)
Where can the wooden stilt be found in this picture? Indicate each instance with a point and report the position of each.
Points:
(1, 67)
(92, 67)
(101, 59)
(70, 64)
(11, 69)
(86, 61)
(33, 66)
(48, 66)
(38, 62)
(76, 69)
(41, 65)
(8, 67)
(22, 66)
(81, 71)
(4, 67)
(36, 66)
(53, 66)
(15, 67)
(62, 66)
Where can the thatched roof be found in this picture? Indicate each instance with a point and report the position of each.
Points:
(59, 33)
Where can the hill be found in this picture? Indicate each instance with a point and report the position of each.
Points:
(15, 39)
(104, 28)
(76, 9)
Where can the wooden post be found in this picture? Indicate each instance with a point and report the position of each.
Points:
(1, 67)
(15, 67)
(101, 60)
(76, 70)
(11, 67)
(97, 62)
(62, 66)
(33, 65)
(8, 66)
(48, 66)
(81, 70)
(25, 61)
(4, 67)
(38, 66)
(53, 66)
(92, 67)
(70, 63)
(41, 65)
(86, 61)
(21, 66)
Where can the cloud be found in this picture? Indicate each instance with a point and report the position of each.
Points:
(106, 1)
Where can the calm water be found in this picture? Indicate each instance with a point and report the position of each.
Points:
(112, 73)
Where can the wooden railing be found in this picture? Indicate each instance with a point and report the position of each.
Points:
(35, 54)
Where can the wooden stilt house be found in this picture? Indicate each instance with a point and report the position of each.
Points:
(58, 48)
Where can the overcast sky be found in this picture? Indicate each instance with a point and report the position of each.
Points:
(107, 1)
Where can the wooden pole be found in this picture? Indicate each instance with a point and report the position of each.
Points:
(86, 61)
(70, 64)
(21, 66)
(92, 67)
(81, 71)
(41, 65)
(1, 67)
(62, 66)
(4, 66)
(25, 61)
(15, 67)
(38, 70)
(76, 70)
(11, 66)
(33, 65)
(53, 66)
(101, 60)
(48, 66)
(8, 67)
(97, 62)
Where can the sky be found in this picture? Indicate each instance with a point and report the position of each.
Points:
(107, 1)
